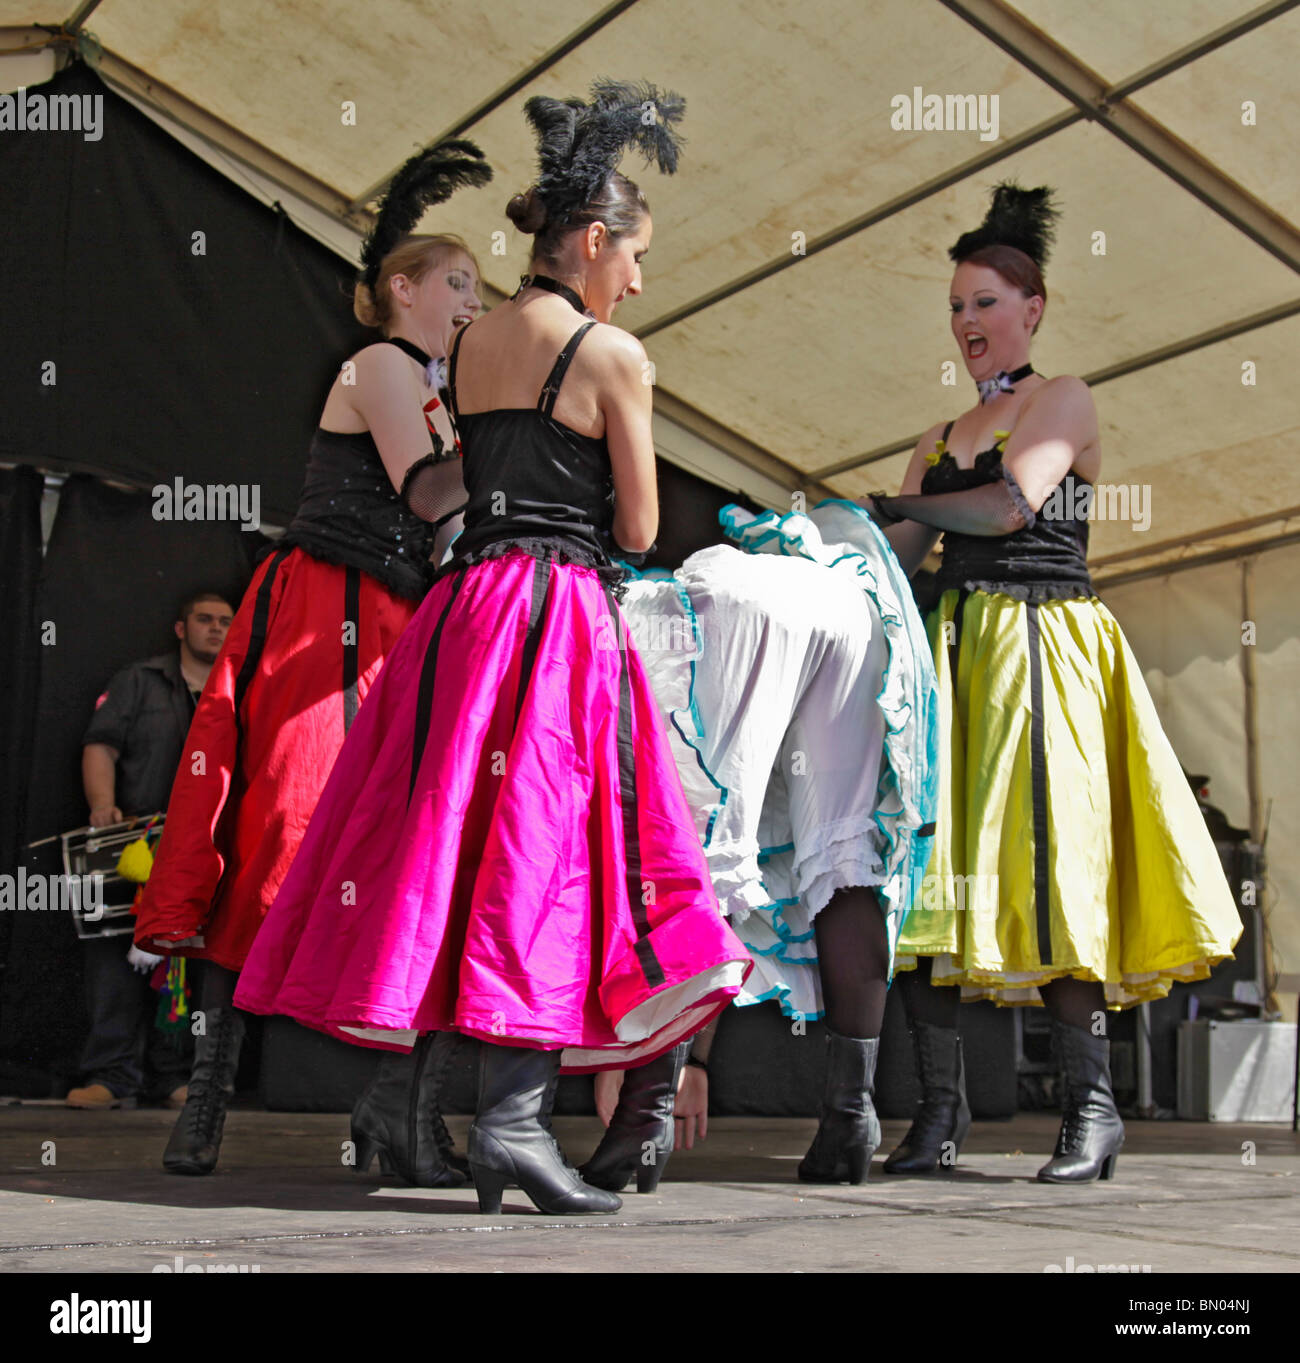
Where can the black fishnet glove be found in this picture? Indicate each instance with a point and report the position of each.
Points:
(997, 508)
(434, 487)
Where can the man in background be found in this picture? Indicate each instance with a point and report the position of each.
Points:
(129, 758)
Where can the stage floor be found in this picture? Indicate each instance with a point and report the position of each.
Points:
(1184, 1199)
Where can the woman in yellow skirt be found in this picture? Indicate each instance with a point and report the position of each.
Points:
(1072, 867)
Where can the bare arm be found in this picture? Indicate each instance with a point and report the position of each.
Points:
(389, 399)
(1056, 427)
(99, 780)
(627, 402)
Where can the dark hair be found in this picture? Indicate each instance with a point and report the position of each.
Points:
(1014, 266)
(191, 601)
(619, 204)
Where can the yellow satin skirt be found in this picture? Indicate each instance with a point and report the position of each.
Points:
(1068, 841)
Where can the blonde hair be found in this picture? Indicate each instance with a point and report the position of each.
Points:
(414, 257)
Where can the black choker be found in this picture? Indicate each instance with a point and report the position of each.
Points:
(1003, 383)
(544, 281)
(411, 349)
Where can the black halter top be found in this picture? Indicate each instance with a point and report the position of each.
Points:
(1046, 561)
(534, 483)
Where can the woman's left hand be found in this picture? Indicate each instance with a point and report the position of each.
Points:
(692, 1108)
(692, 1105)
(608, 1084)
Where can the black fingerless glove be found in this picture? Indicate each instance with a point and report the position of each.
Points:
(434, 487)
(997, 508)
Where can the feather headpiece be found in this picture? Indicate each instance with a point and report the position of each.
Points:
(1023, 218)
(579, 145)
(430, 177)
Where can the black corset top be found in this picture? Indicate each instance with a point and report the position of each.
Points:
(349, 513)
(533, 482)
(1046, 561)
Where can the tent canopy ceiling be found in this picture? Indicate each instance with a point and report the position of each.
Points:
(1175, 263)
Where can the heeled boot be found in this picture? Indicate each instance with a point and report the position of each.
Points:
(640, 1134)
(196, 1138)
(511, 1140)
(849, 1131)
(397, 1117)
(1091, 1130)
(943, 1116)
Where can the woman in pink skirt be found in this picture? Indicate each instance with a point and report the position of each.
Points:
(503, 848)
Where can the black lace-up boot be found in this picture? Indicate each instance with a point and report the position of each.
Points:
(1091, 1130)
(943, 1118)
(511, 1140)
(849, 1131)
(196, 1138)
(640, 1135)
(398, 1118)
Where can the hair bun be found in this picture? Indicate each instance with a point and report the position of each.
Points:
(527, 211)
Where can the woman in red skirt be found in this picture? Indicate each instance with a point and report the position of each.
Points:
(320, 615)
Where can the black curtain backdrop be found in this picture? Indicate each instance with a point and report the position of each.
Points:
(112, 580)
(213, 367)
(20, 567)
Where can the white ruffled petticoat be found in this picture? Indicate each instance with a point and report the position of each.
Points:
(800, 697)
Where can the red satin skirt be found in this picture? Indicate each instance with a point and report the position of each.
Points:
(303, 650)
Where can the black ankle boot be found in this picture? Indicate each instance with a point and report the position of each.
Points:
(849, 1131)
(397, 1117)
(640, 1135)
(196, 1137)
(511, 1140)
(1091, 1130)
(943, 1118)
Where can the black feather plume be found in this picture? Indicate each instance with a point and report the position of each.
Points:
(579, 145)
(430, 177)
(1023, 218)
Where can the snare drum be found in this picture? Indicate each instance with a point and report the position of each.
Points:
(95, 852)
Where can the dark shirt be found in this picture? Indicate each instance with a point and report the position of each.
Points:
(145, 714)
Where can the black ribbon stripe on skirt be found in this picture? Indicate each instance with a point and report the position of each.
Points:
(257, 633)
(650, 967)
(533, 636)
(1038, 786)
(424, 697)
(954, 644)
(351, 650)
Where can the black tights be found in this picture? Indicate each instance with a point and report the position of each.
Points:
(1068, 1000)
(217, 987)
(853, 958)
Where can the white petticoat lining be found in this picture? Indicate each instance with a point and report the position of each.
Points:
(770, 890)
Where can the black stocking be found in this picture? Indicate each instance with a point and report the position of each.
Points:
(217, 987)
(1075, 1002)
(922, 1001)
(853, 957)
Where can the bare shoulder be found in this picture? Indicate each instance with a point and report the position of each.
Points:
(614, 352)
(381, 358)
(1065, 394)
